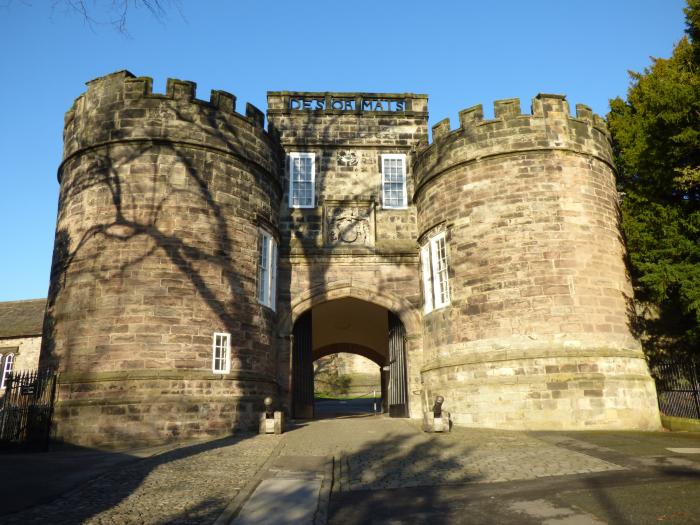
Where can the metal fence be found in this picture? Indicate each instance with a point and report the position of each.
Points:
(26, 409)
(678, 388)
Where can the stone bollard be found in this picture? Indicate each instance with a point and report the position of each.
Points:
(438, 420)
(271, 422)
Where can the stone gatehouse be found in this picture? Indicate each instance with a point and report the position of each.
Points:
(203, 261)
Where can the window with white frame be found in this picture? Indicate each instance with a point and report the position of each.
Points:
(436, 285)
(302, 177)
(394, 181)
(6, 368)
(221, 361)
(267, 269)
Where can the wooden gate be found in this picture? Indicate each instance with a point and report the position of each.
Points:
(397, 390)
(26, 409)
(302, 369)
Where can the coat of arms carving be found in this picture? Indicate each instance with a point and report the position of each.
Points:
(350, 224)
(347, 158)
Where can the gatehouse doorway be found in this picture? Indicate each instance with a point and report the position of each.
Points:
(350, 326)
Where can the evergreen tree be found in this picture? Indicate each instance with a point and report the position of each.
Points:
(656, 140)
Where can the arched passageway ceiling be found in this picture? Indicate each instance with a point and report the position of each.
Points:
(350, 321)
(369, 353)
(409, 315)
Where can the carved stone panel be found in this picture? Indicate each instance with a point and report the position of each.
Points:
(349, 223)
(347, 158)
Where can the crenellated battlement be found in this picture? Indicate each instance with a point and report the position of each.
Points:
(123, 107)
(543, 106)
(549, 126)
(178, 90)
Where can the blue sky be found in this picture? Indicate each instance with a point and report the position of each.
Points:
(459, 52)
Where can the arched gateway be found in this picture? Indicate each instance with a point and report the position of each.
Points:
(195, 249)
(351, 326)
(352, 318)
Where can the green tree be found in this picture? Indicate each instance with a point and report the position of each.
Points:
(656, 140)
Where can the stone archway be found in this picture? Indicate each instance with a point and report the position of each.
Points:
(406, 311)
(401, 307)
(352, 371)
(353, 325)
(337, 348)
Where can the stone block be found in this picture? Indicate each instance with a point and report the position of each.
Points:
(437, 424)
(271, 425)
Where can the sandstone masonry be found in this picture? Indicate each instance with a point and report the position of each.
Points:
(163, 201)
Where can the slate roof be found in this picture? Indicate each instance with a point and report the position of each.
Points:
(21, 318)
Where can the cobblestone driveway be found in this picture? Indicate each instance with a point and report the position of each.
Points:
(193, 484)
(188, 485)
(377, 452)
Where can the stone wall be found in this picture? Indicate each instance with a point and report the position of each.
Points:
(161, 200)
(383, 269)
(348, 146)
(25, 349)
(537, 333)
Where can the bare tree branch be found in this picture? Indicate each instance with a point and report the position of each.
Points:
(115, 13)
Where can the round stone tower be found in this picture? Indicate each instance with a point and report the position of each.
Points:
(536, 334)
(162, 202)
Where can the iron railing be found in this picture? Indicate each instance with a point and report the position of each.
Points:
(678, 388)
(26, 409)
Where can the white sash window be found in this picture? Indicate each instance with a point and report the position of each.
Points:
(302, 180)
(267, 270)
(221, 362)
(394, 181)
(436, 285)
(427, 278)
(6, 368)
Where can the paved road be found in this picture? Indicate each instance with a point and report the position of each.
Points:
(386, 471)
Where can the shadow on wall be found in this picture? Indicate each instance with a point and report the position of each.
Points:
(148, 235)
(659, 327)
(142, 193)
(305, 237)
(305, 233)
(128, 223)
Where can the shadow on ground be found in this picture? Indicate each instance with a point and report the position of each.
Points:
(654, 486)
(91, 482)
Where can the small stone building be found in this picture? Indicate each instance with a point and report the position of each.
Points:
(21, 324)
(203, 260)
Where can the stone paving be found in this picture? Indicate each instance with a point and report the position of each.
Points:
(378, 452)
(192, 484)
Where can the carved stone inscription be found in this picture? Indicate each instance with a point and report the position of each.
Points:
(351, 223)
(346, 104)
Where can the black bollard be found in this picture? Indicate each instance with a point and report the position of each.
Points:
(437, 407)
